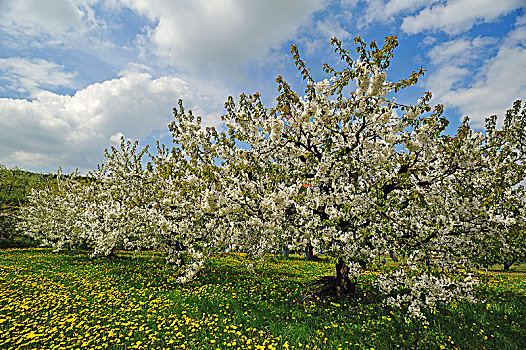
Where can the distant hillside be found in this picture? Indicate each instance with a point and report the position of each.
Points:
(15, 185)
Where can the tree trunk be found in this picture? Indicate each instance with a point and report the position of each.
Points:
(508, 264)
(112, 253)
(309, 253)
(344, 286)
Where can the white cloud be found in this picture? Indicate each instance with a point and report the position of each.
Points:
(315, 36)
(27, 76)
(116, 138)
(65, 26)
(35, 159)
(73, 131)
(456, 16)
(445, 79)
(36, 17)
(331, 27)
(220, 36)
(499, 81)
(460, 51)
(386, 11)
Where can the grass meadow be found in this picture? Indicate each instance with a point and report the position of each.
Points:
(132, 301)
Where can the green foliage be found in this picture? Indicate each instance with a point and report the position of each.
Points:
(15, 185)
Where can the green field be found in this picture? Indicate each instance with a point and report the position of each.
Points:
(69, 300)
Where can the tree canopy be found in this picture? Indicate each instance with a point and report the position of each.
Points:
(345, 168)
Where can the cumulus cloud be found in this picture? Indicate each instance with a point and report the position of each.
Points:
(27, 76)
(220, 36)
(493, 86)
(457, 16)
(204, 43)
(73, 131)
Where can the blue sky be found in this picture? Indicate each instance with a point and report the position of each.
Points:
(75, 75)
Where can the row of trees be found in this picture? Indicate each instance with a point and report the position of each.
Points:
(347, 170)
